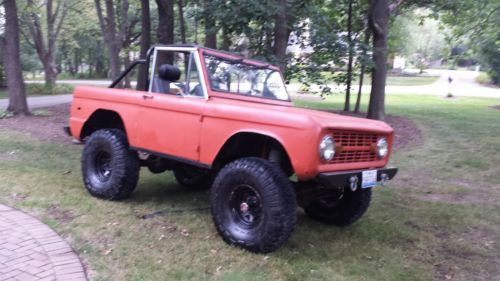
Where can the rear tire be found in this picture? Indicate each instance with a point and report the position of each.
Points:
(348, 209)
(253, 205)
(110, 169)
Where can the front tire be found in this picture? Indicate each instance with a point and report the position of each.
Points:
(110, 169)
(253, 205)
(342, 210)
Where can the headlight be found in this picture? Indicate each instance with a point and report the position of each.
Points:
(327, 148)
(382, 148)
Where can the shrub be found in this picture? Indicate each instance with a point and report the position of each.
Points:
(483, 78)
(42, 89)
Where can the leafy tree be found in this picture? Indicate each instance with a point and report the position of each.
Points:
(119, 28)
(478, 21)
(81, 43)
(333, 32)
(418, 37)
(43, 37)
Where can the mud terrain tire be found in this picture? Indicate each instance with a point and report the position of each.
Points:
(110, 169)
(253, 205)
(346, 211)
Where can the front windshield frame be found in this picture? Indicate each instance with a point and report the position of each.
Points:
(254, 65)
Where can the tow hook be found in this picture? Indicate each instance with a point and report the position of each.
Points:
(384, 178)
(353, 183)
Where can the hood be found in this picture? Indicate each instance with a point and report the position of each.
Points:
(287, 115)
(330, 120)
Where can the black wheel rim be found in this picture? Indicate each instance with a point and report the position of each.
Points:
(102, 165)
(246, 206)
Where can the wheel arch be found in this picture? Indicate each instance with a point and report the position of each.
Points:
(100, 119)
(253, 144)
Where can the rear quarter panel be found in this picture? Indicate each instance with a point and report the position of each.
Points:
(87, 100)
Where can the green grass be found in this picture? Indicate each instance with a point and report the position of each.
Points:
(484, 78)
(403, 236)
(392, 80)
(41, 90)
(410, 80)
(403, 80)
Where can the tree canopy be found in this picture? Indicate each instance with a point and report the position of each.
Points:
(315, 42)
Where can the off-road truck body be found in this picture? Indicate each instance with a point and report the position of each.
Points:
(222, 121)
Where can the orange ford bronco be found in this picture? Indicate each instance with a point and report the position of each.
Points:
(225, 122)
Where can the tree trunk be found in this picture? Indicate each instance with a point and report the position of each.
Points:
(196, 21)
(280, 34)
(12, 61)
(226, 38)
(347, 105)
(166, 21)
(182, 23)
(50, 70)
(142, 78)
(165, 27)
(126, 63)
(46, 48)
(108, 29)
(210, 32)
(362, 72)
(379, 23)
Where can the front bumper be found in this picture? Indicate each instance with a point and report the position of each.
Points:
(341, 179)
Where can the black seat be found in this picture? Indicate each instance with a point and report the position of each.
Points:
(167, 74)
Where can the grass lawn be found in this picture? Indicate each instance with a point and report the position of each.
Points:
(392, 80)
(404, 80)
(437, 220)
(41, 90)
(411, 81)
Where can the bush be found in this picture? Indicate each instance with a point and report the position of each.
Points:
(483, 78)
(42, 89)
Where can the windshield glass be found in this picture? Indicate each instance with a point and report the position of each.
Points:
(237, 77)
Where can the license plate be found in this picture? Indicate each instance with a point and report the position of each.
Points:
(368, 178)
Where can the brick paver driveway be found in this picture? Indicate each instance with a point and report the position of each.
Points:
(30, 250)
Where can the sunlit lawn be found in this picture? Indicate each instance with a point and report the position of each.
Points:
(406, 80)
(392, 80)
(438, 219)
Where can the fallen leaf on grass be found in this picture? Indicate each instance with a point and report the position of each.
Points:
(185, 232)
(108, 251)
